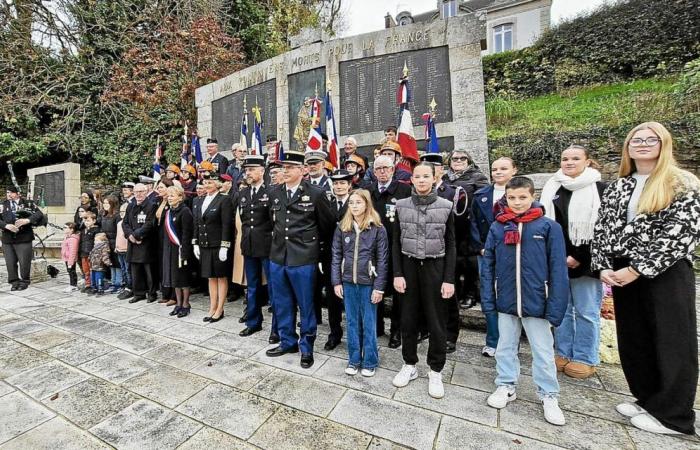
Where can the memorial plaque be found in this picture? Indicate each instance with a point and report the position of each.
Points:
(302, 85)
(445, 145)
(52, 187)
(227, 113)
(368, 89)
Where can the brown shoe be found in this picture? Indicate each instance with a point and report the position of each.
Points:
(163, 300)
(561, 362)
(171, 303)
(579, 370)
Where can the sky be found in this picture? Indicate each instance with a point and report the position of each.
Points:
(364, 16)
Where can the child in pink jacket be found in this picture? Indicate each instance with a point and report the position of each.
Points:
(69, 253)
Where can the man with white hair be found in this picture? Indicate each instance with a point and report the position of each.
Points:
(235, 169)
(350, 148)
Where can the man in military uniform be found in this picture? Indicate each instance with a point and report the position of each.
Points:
(140, 230)
(256, 228)
(339, 205)
(386, 191)
(217, 160)
(17, 219)
(315, 160)
(302, 218)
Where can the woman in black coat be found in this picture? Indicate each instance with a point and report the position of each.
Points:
(110, 219)
(177, 225)
(213, 233)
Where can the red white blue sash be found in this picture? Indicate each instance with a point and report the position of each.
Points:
(170, 229)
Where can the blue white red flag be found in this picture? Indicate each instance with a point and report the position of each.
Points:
(315, 141)
(170, 229)
(405, 137)
(332, 134)
(156, 162)
(194, 146)
(430, 134)
(256, 144)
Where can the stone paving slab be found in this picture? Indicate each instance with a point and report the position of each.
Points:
(380, 384)
(234, 412)
(146, 425)
(19, 358)
(80, 350)
(290, 429)
(167, 386)
(290, 361)
(209, 438)
(232, 371)
(242, 347)
(46, 338)
(455, 433)
(181, 355)
(47, 379)
(57, 433)
(20, 414)
(5, 388)
(118, 366)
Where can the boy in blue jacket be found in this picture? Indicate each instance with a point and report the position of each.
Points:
(524, 278)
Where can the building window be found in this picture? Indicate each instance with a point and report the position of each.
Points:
(503, 38)
(449, 8)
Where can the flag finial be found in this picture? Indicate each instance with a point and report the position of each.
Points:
(316, 90)
(433, 106)
(245, 102)
(329, 85)
(405, 69)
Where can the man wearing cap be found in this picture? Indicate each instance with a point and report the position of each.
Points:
(127, 191)
(218, 161)
(276, 173)
(140, 230)
(460, 200)
(256, 238)
(302, 218)
(315, 161)
(17, 219)
(339, 205)
(386, 191)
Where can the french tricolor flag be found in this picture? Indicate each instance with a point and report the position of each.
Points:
(332, 134)
(156, 162)
(405, 138)
(430, 134)
(256, 145)
(315, 142)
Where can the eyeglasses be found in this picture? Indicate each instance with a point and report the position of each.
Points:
(648, 142)
(382, 169)
(460, 158)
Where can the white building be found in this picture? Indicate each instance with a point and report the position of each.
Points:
(510, 24)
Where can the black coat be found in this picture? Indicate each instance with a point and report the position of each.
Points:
(177, 260)
(109, 227)
(339, 213)
(26, 232)
(385, 203)
(215, 227)
(87, 240)
(299, 225)
(256, 225)
(140, 222)
(220, 163)
(581, 253)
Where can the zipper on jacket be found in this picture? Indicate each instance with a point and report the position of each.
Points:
(518, 284)
(355, 256)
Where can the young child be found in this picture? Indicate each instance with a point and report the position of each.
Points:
(87, 241)
(100, 262)
(524, 278)
(69, 253)
(358, 273)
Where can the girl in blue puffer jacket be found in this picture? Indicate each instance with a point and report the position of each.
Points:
(358, 274)
(524, 278)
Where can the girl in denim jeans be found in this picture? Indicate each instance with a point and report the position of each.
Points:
(358, 273)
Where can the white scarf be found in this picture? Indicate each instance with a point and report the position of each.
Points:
(584, 204)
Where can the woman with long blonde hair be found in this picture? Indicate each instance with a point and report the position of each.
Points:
(358, 273)
(645, 236)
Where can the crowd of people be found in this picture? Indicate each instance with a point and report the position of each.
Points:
(432, 236)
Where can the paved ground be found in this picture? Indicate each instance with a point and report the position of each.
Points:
(85, 372)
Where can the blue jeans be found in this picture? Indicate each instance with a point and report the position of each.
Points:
(361, 317)
(539, 334)
(491, 323)
(116, 277)
(578, 336)
(126, 273)
(290, 283)
(97, 280)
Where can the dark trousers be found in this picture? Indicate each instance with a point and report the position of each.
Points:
(333, 303)
(423, 299)
(290, 284)
(19, 254)
(658, 344)
(318, 294)
(72, 274)
(254, 269)
(467, 278)
(452, 325)
(142, 279)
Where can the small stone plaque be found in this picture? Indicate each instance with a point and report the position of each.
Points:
(52, 186)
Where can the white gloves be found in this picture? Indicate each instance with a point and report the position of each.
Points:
(196, 251)
(222, 254)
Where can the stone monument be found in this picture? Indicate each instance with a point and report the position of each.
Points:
(443, 59)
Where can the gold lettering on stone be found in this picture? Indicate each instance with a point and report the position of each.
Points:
(401, 39)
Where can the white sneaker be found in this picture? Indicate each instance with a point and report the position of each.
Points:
(405, 375)
(435, 387)
(552, 412)
(350, 370)
(368, 372)
(488, 351)
(629, 409)
(648, 423)
(501, 397)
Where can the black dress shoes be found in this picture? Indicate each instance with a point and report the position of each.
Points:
(331, 344)
(279, 351)
(274, 338)
(184, 312)
(15, 287)
(395, 340)
(450, 347)
(213, 319)
(248, 331)
(206, 319)
(307, 361)
(175, 311)
(468, 302)
(423, 335)
(152, 298)
(243, 318)
(137, 298)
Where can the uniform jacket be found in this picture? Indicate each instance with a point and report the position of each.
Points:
(99, 257)
(581, 253)
(87, 240)
(140, 222)
(653, 242)
(528, 279)
(256, 225)
(69, 248)
(324, 183)
(339, 213)
(214, 226)
(220, 163)
(26, 232)
(360, 258)
(300, 225)
(471, 180)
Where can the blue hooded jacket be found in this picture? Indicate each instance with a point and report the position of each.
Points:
(529, 279)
